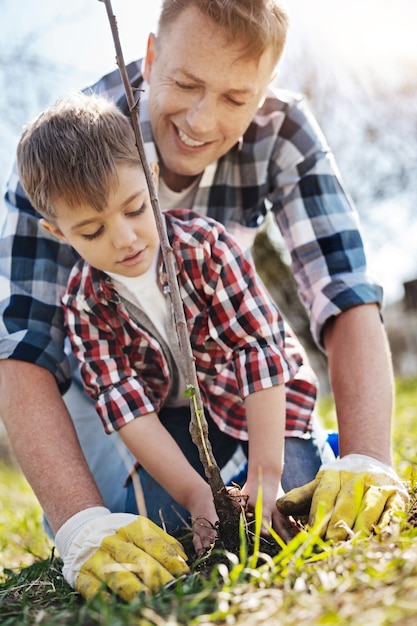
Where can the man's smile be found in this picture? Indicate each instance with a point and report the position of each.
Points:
(192, 143)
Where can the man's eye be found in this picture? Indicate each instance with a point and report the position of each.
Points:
(236, 103)
(92, 236)
(184, 86)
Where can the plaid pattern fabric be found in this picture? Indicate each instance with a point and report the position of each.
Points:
(239, 340)
(282, 161)
(34, 269)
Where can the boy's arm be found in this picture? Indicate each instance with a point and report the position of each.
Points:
(109, 360)
(265, 414)
(125, 404)
(160, 455)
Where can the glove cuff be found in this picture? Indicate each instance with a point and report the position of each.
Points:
(361, 463)
(375, 463)
(82, 534)
(381, 472)
(70, 529)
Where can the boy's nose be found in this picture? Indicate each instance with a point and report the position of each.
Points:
(123, 236)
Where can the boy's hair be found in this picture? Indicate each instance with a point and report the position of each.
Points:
(71, 152)
(260, 24)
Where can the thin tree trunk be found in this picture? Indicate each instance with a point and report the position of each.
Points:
(228, 513)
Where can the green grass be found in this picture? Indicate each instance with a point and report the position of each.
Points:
(21, 538)
(360, 582)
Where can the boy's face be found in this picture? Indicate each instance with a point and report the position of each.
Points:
(122, 238)
(202, 95)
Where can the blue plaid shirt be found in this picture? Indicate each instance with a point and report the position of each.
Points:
(282, 161)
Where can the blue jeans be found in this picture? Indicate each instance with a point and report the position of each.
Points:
(303, 458)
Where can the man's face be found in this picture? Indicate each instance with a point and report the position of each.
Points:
(203, 96)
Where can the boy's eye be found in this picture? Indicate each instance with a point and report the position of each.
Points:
(92, 236)
(137, 212)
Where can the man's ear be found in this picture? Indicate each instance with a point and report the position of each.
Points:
(150, 57)
(273, 77)
(155, 171)
(52, 229)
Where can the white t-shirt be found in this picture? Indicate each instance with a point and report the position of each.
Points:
(144, 292)
(184, 199)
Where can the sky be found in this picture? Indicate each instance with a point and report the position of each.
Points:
(77, 34)
(364, 34)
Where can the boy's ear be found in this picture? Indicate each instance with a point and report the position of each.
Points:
(52, 228)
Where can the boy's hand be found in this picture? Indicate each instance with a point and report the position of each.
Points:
(122, 552)
(246, 498)
(204, 520)
(356, 492)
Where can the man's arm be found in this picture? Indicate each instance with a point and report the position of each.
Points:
(362, 381)
(44, 441)
(361, 488)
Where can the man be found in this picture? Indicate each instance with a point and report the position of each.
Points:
(225, 145)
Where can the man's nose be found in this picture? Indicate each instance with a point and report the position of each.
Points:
(202, 116)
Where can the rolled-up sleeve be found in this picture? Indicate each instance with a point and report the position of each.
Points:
(318, 221)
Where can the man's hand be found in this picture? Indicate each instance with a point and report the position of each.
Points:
(125, 553)
(356, 492)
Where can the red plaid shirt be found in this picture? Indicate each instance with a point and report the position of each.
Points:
(240, 342)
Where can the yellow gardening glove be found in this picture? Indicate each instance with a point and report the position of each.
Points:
(356, 492)
(119, 551)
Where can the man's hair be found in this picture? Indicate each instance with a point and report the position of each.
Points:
(71, 151)
(260, 24)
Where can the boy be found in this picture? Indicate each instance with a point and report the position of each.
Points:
(80, 167)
